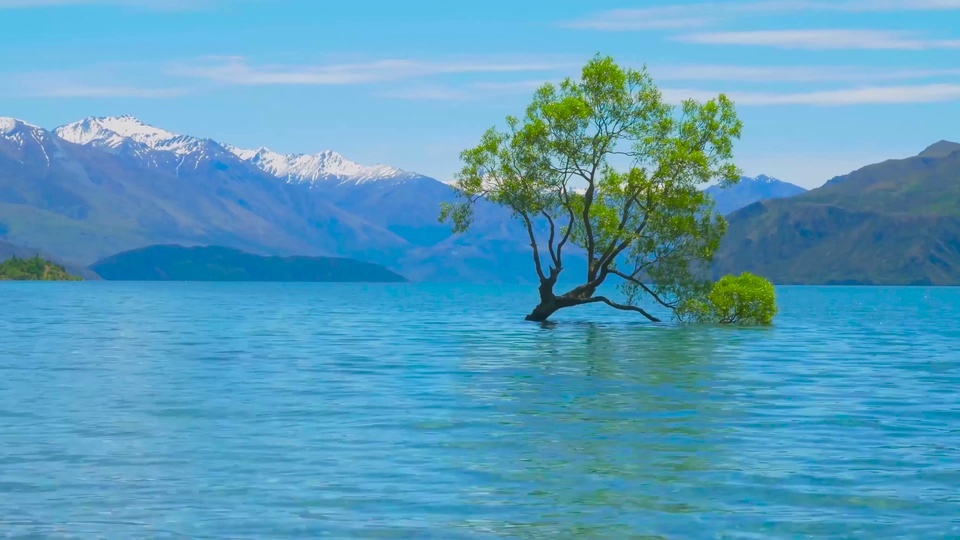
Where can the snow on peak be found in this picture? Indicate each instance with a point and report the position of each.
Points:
(10, 125)
(26, 137)
(766, 179)
(312, 168)
(7, 125)
(114, 132)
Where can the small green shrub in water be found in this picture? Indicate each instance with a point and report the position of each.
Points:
(746, 299)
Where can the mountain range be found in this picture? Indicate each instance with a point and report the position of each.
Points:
(100, 186)
(103, 185)
(890, 223)
(751, 190)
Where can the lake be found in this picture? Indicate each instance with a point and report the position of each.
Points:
(434, 411)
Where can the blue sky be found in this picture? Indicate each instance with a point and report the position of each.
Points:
(823, 86)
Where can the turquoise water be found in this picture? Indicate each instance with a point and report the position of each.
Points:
(413, 411)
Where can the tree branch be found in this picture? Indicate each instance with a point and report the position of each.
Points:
(621, 307)
(553, 230)
(645, 288)
(573, 219)
(533, 244)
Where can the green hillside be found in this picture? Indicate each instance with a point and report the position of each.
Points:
(33, 269)
(891, 223)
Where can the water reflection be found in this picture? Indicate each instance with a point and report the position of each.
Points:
(615, 425)
(283, 411)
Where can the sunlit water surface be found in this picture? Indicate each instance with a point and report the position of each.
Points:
(415, 411)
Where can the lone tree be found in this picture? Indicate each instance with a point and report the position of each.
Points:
(605, 164)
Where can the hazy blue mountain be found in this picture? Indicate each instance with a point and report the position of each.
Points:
(213, 263)
(8, 251)
(750, 190)
(110, 184)
(891, 223)
(83, 202)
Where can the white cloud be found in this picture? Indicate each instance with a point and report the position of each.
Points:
(793, 74)
(429, 93)
(85, 91)
(113, 80)
(874, 95)
(468, 92)
(145, 4)
(237, 70)
(702, 14)
(821, 39)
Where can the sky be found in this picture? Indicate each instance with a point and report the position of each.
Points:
(823, 86)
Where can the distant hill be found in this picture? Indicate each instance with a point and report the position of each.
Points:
(178, 263)
(751, 190)
(9, 251)
(891, 223)
(33, 269)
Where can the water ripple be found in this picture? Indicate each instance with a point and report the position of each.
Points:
(416, 411)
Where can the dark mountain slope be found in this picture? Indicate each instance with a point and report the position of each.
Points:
(178, 263)
(892, 223)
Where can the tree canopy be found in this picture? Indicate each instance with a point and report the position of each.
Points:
(608, 167)
(742, 300)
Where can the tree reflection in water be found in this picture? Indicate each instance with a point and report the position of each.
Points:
(601, 429)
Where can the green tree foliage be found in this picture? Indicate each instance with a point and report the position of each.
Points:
(608, 166)
(33, 269)
(746, 299)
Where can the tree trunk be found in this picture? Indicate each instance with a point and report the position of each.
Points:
(551, 303)
(544, 310)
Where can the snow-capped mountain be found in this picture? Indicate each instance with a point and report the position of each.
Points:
(113, 184)
(126, 134)
(109, 184)
(751, 190)
(26, 142)
(153, 146)
(115, 131)
(763, 179)
(322, 167)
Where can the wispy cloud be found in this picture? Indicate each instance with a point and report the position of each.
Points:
(794, 74)
(822, 39)
(468, 92)
(429, 93)
(175, 5)
(874, 95)
(866, 95)
(238, 71)
(85, 91)
(702, 14)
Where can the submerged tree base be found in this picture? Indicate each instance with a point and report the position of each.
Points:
(582, 295)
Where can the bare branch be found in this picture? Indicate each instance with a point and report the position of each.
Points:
(645, 288)
(553, 230)
(533, 244)
(572, 220)
(621, 307)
